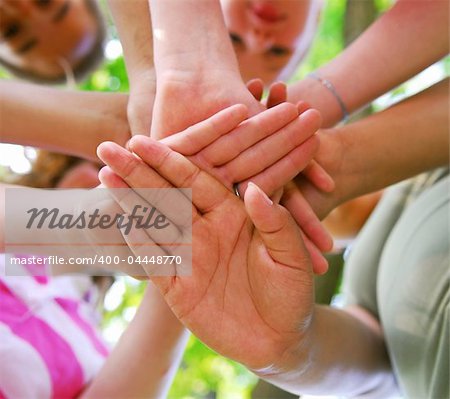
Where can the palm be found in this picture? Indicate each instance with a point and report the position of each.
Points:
(250, 293)
(238, 296)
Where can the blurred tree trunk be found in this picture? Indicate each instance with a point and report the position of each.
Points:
(359, 15)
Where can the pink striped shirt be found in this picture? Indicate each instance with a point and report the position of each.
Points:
(49, 346)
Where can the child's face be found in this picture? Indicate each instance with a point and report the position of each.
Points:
(266, 33)
(41, 35)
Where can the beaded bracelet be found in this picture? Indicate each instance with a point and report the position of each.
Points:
(332, 90)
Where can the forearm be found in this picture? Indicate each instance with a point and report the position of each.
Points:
(74, 123)
(401, 142)
(342, 355)
(380, 150)
(145, 359)
(180, 46)
(134, 26)
(196, 67)
(133, 22)
(395, 48)
(66, 225)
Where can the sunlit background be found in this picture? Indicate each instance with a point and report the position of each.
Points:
(203, 373)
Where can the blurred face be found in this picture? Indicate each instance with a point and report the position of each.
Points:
(42, 36)
(267, 33)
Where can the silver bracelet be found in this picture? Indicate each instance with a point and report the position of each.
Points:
(332, 90)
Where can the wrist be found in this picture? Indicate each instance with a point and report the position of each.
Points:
(332, 90)
(318, 97)
(142, 73)
(186, 48)
(139, 109)
(114, 126)
(295, 362)
(353, 175)
(337, 157)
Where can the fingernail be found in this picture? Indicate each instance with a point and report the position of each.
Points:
(262, 193)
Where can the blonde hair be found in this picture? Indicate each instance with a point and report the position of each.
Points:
(87, 64)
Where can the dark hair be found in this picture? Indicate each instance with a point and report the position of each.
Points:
(87, 64)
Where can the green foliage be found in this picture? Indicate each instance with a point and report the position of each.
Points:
(329, 40)
(111, 77)
(383, 5)
(446, 64)
(127, 294)
(3, 173)
(203, 373)
(4, 74)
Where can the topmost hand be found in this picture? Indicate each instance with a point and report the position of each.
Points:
(184, 99)
(196, 69)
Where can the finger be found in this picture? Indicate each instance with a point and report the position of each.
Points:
(156, 260)
(319, 262)
(207, 192)
(302, 106)
(200, 135)
(248, 133)
(144, 212)
(256, 88)
(139, 242)
(284, 170)
(109, 179)
(305, 217)
(277, 94)
(144, 247)
(277, 229)
(276, 196)
(275, 147)
(138, 176)
(319, 177)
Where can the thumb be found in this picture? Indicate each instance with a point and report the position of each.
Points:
(256, 88)
(278, 230)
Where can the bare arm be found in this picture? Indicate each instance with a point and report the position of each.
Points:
(412, 35)
(286, 338)
(134, 26)
(194, 48)
(144, 361)
(147, 356)
(65, 121)
(350, 361)
(400, 142)
(195, 64)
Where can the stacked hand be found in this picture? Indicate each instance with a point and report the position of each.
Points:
(184, 98)
(266, 149)
(251, 285)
